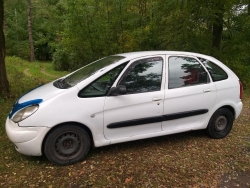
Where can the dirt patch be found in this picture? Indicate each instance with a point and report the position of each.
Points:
(236, 179)
(26, 72)
(51, 75)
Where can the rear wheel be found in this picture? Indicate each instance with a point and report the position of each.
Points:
(67, 144)
(220, 123)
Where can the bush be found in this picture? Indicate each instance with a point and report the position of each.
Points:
(65, 59)
(61, 60)
(19, 49)
(242, 71)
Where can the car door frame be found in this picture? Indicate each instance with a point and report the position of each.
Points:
(177, 123)
(125, 98)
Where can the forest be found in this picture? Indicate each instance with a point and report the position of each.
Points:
(72, 33)
(42, 40)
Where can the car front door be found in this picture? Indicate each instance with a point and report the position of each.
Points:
(189, 95)
(140, 110)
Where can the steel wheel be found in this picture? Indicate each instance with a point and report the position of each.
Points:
(220, 123)
(67, 144)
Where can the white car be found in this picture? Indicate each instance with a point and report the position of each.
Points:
(125, 97)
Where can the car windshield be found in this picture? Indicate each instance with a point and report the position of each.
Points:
(86, 71)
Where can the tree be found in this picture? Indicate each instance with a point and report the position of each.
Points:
(32, 52)
(4, 84)
(248, 7)
(218, 24)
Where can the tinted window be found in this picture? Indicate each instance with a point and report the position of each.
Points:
(185, 71)
(101, 86)
(215, 71)
(143, 76)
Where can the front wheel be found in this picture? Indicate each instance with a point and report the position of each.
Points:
(220, 123)
(67, 144)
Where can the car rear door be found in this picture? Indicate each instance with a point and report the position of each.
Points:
(189, 95)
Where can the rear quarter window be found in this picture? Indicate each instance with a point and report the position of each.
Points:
(216, 72)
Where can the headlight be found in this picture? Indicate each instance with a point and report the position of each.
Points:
(24, 113)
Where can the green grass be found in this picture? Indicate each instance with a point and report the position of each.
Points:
(12, 164)
(181, 160)
(15, 63)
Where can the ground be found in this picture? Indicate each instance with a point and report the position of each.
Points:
(238, 178)
(235, 179)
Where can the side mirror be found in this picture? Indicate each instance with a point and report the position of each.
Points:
(119, 90)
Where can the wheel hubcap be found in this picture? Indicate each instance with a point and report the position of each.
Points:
(220, 123)
(67, 144)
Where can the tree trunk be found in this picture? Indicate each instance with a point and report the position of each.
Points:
(4, 84)
(217, 33)
(248, 7)
(217, 27)
(120, 16)
(32, 53)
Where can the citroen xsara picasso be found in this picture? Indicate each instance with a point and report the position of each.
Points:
(125, 97)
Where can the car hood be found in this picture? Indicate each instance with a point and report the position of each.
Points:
(42, 92)
(35, 96)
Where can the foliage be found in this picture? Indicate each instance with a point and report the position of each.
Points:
(61, 60)
(74, 33)
(16, 31)
(46, 23)
(77, 32)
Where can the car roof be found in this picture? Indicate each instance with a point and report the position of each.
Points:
(148, 53)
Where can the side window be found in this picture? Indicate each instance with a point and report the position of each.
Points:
(215, 71)
(185, 71)
(143, 76)
(101, 86)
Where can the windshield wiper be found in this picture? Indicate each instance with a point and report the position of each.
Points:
(61, 84)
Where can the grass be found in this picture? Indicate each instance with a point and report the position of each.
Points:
(181, 160)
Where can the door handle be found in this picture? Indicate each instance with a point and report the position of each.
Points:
(206, 90)
(156, 99)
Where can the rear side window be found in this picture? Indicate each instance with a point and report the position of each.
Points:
(215, 71)
(185, 71)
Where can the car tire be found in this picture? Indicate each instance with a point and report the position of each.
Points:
(67, 144)
(220, 123)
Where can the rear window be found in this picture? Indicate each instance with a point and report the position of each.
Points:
(215, 71)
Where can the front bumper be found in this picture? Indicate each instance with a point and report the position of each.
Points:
(27, 140)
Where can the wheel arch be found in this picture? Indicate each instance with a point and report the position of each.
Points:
(65, 123)
(217, 129)
(229, 108)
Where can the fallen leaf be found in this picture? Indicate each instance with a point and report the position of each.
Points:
(128, 180)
